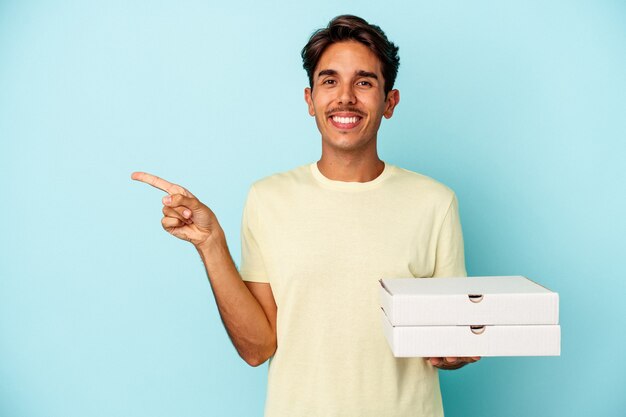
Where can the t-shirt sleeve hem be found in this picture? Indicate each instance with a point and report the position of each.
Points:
(253, 277)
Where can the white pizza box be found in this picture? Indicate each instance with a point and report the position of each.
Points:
(459, 341)
(502, 300)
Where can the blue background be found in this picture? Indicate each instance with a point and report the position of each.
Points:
(518, 106)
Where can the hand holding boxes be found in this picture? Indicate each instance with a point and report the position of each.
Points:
(476, 316)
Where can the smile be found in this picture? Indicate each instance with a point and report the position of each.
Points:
(344, 122)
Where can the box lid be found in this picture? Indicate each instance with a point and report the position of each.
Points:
(501, 300)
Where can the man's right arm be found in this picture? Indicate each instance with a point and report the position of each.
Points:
(248, 310)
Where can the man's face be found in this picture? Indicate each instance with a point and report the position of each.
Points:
(348, 98)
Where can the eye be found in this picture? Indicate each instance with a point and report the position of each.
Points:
(364, 83)
(329, 81)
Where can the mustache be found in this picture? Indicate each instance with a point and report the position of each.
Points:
(345, 109)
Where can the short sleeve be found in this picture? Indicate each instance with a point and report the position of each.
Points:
(252, 265)
(450, 255)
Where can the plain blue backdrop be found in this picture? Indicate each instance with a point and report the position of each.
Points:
(518, 106)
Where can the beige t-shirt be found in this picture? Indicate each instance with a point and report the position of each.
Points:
(323, 245)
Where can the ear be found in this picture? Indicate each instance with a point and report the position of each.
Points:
(393, 98)
(308, 97)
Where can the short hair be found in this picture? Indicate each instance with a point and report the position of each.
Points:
(352, 28)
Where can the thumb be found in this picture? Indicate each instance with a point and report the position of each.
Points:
(191, 209)
(178, 200)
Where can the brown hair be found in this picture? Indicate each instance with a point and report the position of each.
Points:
(352, 28)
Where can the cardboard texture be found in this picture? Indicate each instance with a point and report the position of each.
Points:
(477, 300)
(476, 316)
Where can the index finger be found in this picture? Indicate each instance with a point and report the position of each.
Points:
(156, 182)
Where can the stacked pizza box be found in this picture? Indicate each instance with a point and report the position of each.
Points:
(475, 316)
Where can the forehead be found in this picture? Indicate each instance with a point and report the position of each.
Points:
(348, 57)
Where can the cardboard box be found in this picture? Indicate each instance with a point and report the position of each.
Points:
(478, 300)
(477, 316)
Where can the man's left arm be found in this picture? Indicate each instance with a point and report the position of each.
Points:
(450, 262)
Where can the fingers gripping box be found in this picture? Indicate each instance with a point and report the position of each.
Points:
(476, 316)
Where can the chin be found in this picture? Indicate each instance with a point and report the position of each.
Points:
(346, 145)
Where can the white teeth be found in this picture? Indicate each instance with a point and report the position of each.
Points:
(345, 120)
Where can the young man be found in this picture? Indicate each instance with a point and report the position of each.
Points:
(315, 241)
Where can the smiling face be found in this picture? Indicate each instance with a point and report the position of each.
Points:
(348, 98)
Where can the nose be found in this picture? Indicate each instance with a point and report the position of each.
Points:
(346, 95)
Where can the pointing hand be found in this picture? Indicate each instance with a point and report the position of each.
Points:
(184, 216)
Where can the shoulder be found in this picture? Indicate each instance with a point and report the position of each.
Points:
(421, 186)
(283, 182)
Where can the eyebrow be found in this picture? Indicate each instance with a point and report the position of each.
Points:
(367, 74)
(359, 73)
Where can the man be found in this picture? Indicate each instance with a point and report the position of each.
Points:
(315, 241)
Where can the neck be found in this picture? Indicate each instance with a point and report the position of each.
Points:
(349, 167)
